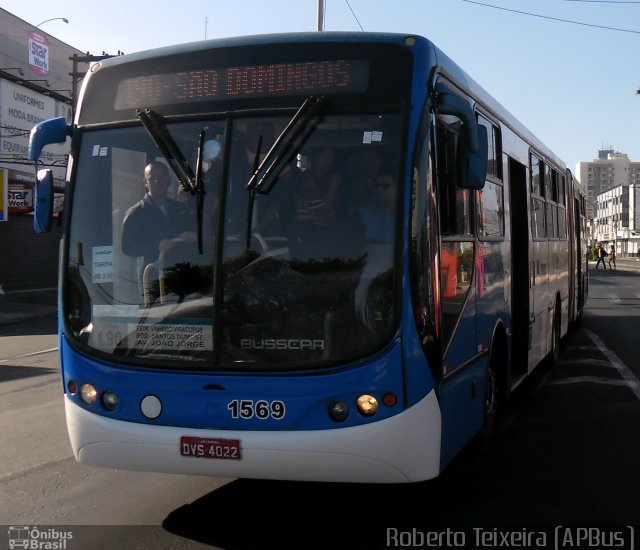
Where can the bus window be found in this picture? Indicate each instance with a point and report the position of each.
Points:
(455, 203)
(456, 227)
(491, 211)
(494, 151)
(562, 210)
(456, 269)
(538, 209)
(537, 173)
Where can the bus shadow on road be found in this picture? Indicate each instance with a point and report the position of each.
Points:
(250, 514)
(17, 372)
(480, 488)
(548, 464)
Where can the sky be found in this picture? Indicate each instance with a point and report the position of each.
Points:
(573, 84)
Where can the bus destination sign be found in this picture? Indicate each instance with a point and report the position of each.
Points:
(241, 82)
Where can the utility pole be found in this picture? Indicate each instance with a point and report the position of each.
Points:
(320, 15)
(76, 75)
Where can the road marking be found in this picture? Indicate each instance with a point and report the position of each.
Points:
(28, 354)
(613, 297)
(625, 372)
(590, 362)
(597, 380)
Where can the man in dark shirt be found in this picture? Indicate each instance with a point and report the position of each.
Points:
(156, 224)
(602, 254)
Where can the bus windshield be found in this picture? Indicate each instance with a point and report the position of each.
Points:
(297, 272)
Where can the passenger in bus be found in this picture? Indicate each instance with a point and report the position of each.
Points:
(316, 196)
(321, 227)
(364, 168)
(378, 213)
(156, 223)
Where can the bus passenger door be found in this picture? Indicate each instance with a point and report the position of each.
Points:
(461, 409)
(520, 260)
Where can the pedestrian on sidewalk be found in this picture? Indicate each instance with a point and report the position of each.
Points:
(602, 254)
(612, 257)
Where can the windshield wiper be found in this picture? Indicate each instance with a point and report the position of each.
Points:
(199, 187)
(265, 173)
(283, 148)
(194, 183)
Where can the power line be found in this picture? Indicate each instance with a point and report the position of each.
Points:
(354, 15)
(551, 18)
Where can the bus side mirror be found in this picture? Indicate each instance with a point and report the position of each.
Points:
(43, 202)
(54, 130)
(474, 141)
(474, 164)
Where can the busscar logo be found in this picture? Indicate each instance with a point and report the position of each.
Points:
(289, 344)
(37, 538)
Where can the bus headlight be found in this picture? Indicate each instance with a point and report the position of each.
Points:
(88, 394)
(338, 411)
(367, 405)
(110, 401)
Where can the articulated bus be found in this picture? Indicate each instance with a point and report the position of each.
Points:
(373, 255)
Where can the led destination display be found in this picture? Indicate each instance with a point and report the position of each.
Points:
(240, 82)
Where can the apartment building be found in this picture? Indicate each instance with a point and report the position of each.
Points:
(612, 185)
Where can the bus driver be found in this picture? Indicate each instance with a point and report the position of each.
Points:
(151, 224)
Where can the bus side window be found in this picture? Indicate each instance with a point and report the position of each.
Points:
(455, 203)
(490, 201)
(537, 198)
(562, 207)
(456, 229)
(494, 149)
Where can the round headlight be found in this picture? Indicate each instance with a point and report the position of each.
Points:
(338, 411)
(88, 394)
(110, 401)
(367, 405)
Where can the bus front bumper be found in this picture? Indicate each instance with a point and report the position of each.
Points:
(404, 448)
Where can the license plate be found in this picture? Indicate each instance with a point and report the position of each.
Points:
(199, 447)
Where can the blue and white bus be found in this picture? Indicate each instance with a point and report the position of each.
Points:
(373, 254)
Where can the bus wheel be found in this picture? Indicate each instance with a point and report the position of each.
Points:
(554, 353)
(491, 403)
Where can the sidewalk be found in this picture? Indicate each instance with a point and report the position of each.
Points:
(17, 306)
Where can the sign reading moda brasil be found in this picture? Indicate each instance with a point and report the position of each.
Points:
(38, 53)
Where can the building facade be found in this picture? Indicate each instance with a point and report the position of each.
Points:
(612, 185)
(35, 84)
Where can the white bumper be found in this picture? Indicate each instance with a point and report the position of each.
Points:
(404, 448)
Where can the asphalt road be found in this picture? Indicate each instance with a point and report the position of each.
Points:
(566, 453)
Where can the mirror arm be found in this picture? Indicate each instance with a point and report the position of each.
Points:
(450, 103)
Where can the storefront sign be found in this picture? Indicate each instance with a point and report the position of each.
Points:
(20, 198)
(20, 110)
(38, 53)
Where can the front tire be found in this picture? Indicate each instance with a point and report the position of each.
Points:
(491, 403)
(554, 353)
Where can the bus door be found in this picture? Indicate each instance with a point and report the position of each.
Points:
(458, 335)
(521, 284)
(540, 265)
